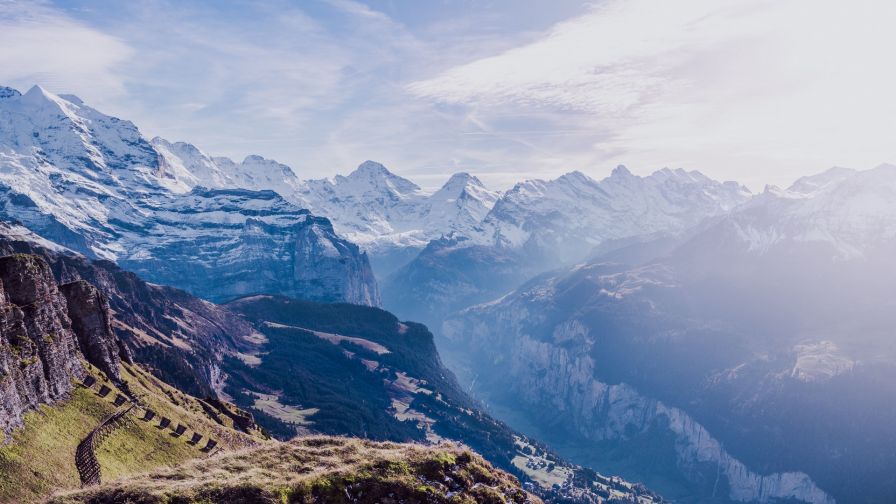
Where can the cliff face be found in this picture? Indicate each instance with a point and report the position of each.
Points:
(329, 269)
(264, 245)
(224, 244)
(91, 320)
(178, 337)
(45, 332)
(601, 411)
(38, 350)
(556, 382)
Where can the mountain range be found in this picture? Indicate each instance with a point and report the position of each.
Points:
(91, 352)
(389, 216)
(542, 225)
(761, 339)
(269, 365)
(719, 345)
(92, 183)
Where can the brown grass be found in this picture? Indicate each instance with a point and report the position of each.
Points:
(320, 469)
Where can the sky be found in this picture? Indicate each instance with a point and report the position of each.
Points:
(758, 91)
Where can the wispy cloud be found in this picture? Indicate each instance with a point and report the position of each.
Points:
(750, 90)
(40, 45)
(759, 91)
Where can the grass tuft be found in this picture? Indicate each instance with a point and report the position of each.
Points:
(320, 469)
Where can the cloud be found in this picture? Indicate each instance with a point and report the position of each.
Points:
(759, 91)
(40, 45)
(750, 90)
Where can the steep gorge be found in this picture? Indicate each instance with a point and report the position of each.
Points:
(555, 383)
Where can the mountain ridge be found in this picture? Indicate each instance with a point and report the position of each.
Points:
(92, 183)
(776, 314)
(219, 352)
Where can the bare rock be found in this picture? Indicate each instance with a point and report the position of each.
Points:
(39, 354)
(89, 312)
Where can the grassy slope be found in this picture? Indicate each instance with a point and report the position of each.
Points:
(321, 469)
(40, 457)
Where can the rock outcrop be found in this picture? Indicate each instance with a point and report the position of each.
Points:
(91, 320)
(39, 354)
(550, 375)
(46, 331)
(178, 337)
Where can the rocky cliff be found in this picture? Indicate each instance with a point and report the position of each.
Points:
(91, 320)
(602, 412)
(555, 380)
(226, 243)
(179, 337)
(39, 354)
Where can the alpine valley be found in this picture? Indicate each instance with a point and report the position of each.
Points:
(717, 345)
(104, 376)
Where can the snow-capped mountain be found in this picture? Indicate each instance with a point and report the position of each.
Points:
(387, 215)
(191, 167)
(575, 212)
(849, 212)
(92, 183)
(777, 314)
(541, 225)
(383, 211)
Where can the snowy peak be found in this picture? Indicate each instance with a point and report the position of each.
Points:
(577, 179)
(62, 133)
(844, 213)
(464, 185)
(621, 172)
(256, 172)
(38, 94)
(371, 176)
(371, 169)
(186, 166)
(565, 217)
(459, 181)
(183, 166)
(384, 212)
(828, 178)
